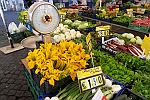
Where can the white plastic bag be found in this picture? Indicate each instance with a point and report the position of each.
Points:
(21, 27)
(12, 28)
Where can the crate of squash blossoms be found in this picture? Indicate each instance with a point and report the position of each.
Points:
(54, 65)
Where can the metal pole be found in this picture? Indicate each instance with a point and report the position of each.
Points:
(5, 25)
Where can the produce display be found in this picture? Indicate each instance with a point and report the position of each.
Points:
(118, 45)
(105, 15)
(127, 43)
(78, 24)
(72, 92)
(64, 33)
(142, 22)
(124, 62)
(122, 20)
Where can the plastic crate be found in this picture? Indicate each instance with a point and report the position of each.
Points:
(40, 92)
(145, 29)
(131, 95)
(120, 23)
(18, 37)
(34, 88)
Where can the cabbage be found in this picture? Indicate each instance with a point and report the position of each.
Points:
(68, 22)
(130, 36)
(86, 24)
(139, 41)
(81, 27)
(133, 40)
(137, 37)
(124, 35)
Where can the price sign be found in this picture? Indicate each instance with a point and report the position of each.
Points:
(90, 78)
(103, 30)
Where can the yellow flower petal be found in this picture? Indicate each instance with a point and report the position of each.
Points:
(31, 64)
(51, 81)
(42, 81)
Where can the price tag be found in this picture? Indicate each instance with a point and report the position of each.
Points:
(90, 78)
(103, 30)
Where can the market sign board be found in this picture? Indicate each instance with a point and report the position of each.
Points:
(90, 79)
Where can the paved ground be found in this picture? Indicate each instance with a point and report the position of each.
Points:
(13, 85)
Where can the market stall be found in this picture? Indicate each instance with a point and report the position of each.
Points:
(81, 58)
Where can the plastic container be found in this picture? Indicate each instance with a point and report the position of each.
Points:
(34, 88)
(132, 95)
(140, 28)
(18, 37)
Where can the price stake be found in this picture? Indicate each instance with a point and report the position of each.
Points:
(90, 79)
(89, 44)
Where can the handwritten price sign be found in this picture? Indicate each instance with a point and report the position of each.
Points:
(103, 30)
(90, 78)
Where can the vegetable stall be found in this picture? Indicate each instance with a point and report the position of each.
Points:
(87, 60)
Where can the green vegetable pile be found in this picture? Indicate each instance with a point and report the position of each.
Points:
(123, 20)
(124, 68)
(121, 68)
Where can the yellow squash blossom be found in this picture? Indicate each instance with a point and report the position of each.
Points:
(54, 62)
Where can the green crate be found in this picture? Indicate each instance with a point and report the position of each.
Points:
(145, 29)
(34, 88)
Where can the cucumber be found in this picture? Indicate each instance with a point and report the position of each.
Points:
(86, 95)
